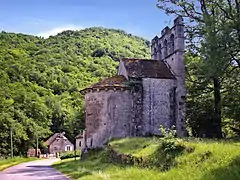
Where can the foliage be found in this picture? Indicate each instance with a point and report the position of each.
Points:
(162, 158)
(212, 62)
(168, 133)
(170, 148)
(200, 107)
(209, 160)
(40, 80)
(70, 154)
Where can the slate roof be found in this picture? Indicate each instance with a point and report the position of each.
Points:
(145, 68)
(79, 136)
(136, 68)
(53, 137)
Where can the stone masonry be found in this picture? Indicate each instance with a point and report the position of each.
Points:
(170, 49)
(144, 94)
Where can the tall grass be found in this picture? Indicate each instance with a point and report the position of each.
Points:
(6, 163)
(206, 160)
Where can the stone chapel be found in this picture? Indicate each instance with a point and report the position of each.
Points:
(143, 95)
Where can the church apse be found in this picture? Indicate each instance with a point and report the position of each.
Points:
(108, 111)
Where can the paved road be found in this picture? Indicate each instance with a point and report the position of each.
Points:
(36, 170)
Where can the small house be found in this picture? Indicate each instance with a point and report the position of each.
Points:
(58, 143)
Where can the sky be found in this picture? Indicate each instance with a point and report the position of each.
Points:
(49, 17)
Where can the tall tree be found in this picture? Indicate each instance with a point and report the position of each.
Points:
(213, 36)
(40, 80)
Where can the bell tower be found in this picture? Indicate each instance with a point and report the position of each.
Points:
(170, 49)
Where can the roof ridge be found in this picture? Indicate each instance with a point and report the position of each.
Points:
(141, 59)
(169, 67)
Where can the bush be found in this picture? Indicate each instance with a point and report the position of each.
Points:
(70, 154)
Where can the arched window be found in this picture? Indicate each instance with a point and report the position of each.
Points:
(171, 43)
(159, 51)
(152, 48)
(165, 48)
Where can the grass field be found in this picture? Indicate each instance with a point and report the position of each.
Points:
(206, 160)
(6, 163)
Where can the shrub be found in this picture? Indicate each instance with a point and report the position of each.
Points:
(70, 154)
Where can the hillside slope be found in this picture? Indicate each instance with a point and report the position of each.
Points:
(40, 79)
(161, 159)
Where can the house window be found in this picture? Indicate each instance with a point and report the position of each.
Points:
(68, 148)
(55, 148)
(80, 143)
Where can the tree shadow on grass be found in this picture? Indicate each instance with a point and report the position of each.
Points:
(79, 169)
(229, 172)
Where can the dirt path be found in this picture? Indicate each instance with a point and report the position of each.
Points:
(36, 170)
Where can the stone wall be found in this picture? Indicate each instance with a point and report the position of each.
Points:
(137, 112)
(170, 49)
(176, 63)
(108, 115)
(158, 105)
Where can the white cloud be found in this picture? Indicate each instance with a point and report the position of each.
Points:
(57, 30)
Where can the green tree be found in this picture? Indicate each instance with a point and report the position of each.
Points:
(209, 31)
(40, 80)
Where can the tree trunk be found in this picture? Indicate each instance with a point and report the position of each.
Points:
(217, 124)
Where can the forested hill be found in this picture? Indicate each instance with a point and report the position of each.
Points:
(40, 80)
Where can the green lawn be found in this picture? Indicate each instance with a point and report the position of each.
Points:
(207, 160)
(6, 163)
